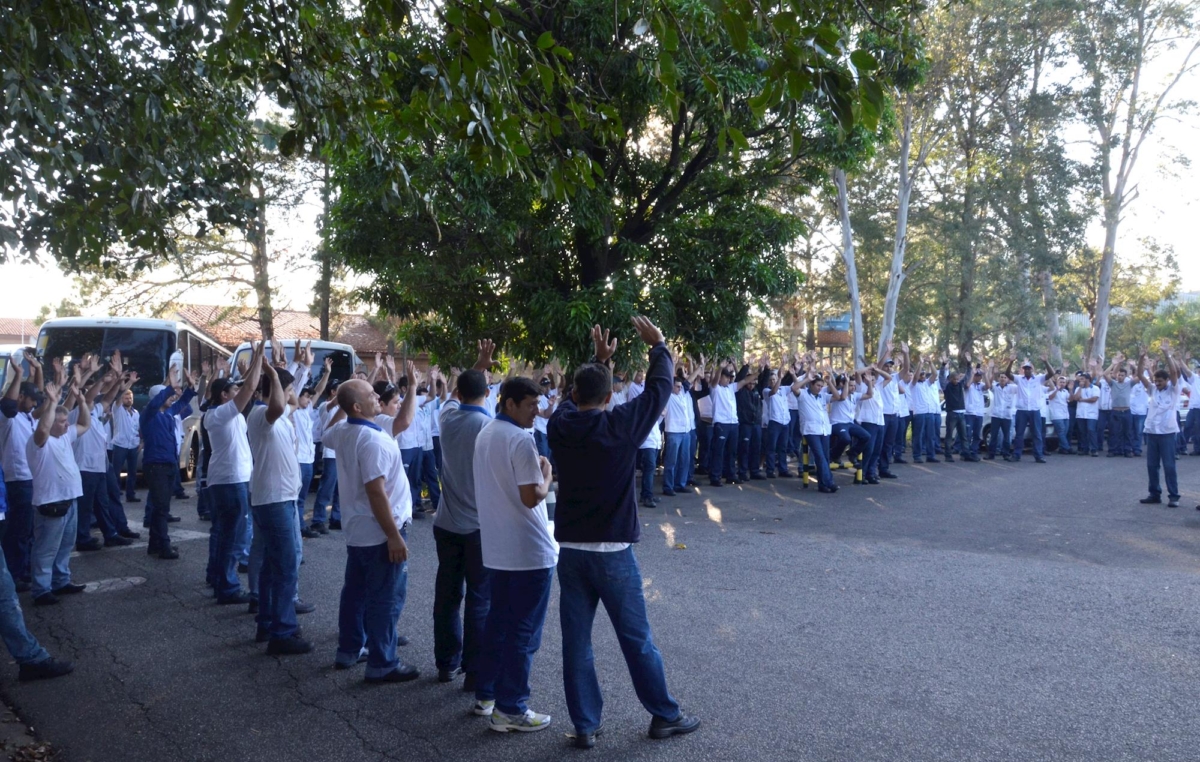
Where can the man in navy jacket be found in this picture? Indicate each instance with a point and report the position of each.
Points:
(596, 523)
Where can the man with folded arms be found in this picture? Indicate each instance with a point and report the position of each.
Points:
(596, 523)
(56, 488)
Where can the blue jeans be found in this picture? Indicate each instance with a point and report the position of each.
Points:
(513, 635)
(125, 459)
(93, 504)
(1000, 437)
(1102, 431)
(648, 462)
(18, 523)
(1061, 430)
(1160, 448)
(53, 541)
(429, 475)
(873, 451)
(704, 432)
(775, 448)
(749, 450)
(1138, 435)
(327, 493)
(794, 436)
(585, 580)
(23, 647)
(1191, 428)
(230, 502)
(1119, 441)
(278, 533)
(306, 475)
(891, 425)
(818, 455)
(158, 494)
(849, 435)
(722, 451)
(675, 461)
(1028, 419)
(956, 426)
(411, 458)
(457, 640)
(690, 457)
(116, 511)
(974, 434)
(372, 599)
(933, 425)
(1085, 431)
(918, 436)
(542, 442)
(203, 503)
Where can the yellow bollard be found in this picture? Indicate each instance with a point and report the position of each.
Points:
(858, 470)
(804, 463)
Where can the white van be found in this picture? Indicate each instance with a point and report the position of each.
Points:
(345, 360)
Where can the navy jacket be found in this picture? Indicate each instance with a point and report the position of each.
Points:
(595, 452)
(158, 427)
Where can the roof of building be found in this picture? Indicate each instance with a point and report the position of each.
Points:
(230, 326)
(18, 327)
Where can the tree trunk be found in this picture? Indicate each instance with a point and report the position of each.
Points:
(325, 284)
(1053, 331)
(1099, 337)
(261, 262)
(897, 274)
(839, 178)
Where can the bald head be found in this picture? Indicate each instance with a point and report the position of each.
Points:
(357, 399)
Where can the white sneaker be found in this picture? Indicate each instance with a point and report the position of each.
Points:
(484, 708)
(525, 723)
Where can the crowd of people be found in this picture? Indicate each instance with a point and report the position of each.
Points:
(486, 451)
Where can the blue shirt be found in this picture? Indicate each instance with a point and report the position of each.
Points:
(158, 427)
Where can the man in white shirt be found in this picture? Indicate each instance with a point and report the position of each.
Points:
(1030, 392)
(1139, 407)
(328, 496)
(813, 399)
(306, 449)
(229, 470)
(723, 447)
(678, 425)
(1162, 426)
(274, 484)
(1057, 403)
(126, 443)
(511, 484)
(1087, 412)
(16, 427)
(376, 515)
(56, 488)
(91, 455)
(975, 408)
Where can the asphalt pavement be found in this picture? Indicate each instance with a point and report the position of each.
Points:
(992, 611)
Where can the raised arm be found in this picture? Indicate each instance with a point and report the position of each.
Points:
(277, 401)
(1172, 367)
(41, 434)
(408, 408)
(251, 378)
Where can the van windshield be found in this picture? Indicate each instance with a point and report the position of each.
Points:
(342, 361)
(144, 350)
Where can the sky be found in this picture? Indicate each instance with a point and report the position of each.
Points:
(1164, 177)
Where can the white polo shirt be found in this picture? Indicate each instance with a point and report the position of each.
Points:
(324, 415)
(1088, 411)
(724, 404)
(125, 425)
(55, 473)
(870, 409)
(814, 420)
(902, 402)
(539, 423)
(14, 434)
(513, 537)
(1002, 400)
(1161, 418)
(842, 411)
(1056, 401)
(1105, 395)
(777, 406)
(618, 398)
(918, 401)
(679, 413)
(91, 449)
(302, 421)
(704, 408)
(889, 396)
(230, 460)
(1139, 400)
(973, 397)
(276, 477)
(368, 452)
(1030, 391)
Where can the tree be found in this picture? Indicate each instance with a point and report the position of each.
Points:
(1119, 43)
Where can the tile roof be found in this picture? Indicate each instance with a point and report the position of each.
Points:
(18, 327)
(230, 326)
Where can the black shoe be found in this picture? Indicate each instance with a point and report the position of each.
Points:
(173, 519)
(757, 477)
(648, 503)
(900, 460)
(401, 674)
(949, 459)
(468, 685)
(1152, 500)
(182, 496)
(322, 528)
(71, 588)
(1095, 455)
(24, 586)
(261, 634)
(243, 568)
(335, 524)
(117, 541)
(1173, 502)
(92, 543)
(252, 606)
(309, 534)
(44, 670)
(931, 460)
(715, 484)
(887, 475)
(828, 490)
(45, 599)
(401, 640)
(362, 657)
(289, 646)
(234, 600)
(418, 515)
(133, 500)
(660, 728)
(304, 607)
(770, 475)
(989, 457)
(129, 534)
(448, 675)
(1039, 460)
(205, 517)
(872, 480)
(587, 740)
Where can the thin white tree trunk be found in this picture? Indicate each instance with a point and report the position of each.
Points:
(839, 178)
(1053, 332)
(897, 274)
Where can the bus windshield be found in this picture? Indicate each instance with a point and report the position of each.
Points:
(144, 350)
(342, 361)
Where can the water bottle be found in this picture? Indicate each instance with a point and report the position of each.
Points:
(177, 363)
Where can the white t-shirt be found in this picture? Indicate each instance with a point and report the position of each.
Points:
(679, 413)
(1089, 411)
(368, 452)
(324, 416)
(1105, 395)
(814, 420)
(539, 423)
(302, 421)
(653, 439)
(888, 395)
(230, 460)
(618, 398)
(1161, 419)
(514, 538)
(91, 449)
(635, 391)
(276, 476)
(777, 406)
(793, 402)
(724, 404)
(55, 473)
(973, 398)
(918, 399)
(14, 434)
(413, 437)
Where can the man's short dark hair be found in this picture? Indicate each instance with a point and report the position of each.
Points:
(264, 382)
(1160, 373)
(472, 385)
(386, 390)
(593, 383)
(518, 390)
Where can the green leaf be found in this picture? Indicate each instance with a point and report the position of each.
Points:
(739, 36)
(547, 75)
(863, 61)
(234, 14)
(545, 41)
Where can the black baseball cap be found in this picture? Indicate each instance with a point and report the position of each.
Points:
(221, 385)
(30, 389)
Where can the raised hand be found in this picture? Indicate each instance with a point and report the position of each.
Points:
(487, 348)
(223, 365)
(604, 349)
(31, 358)
(389, 362)
(131, 378)
(205, 368)
(647, 330)
(53, 390)
(328, 364)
